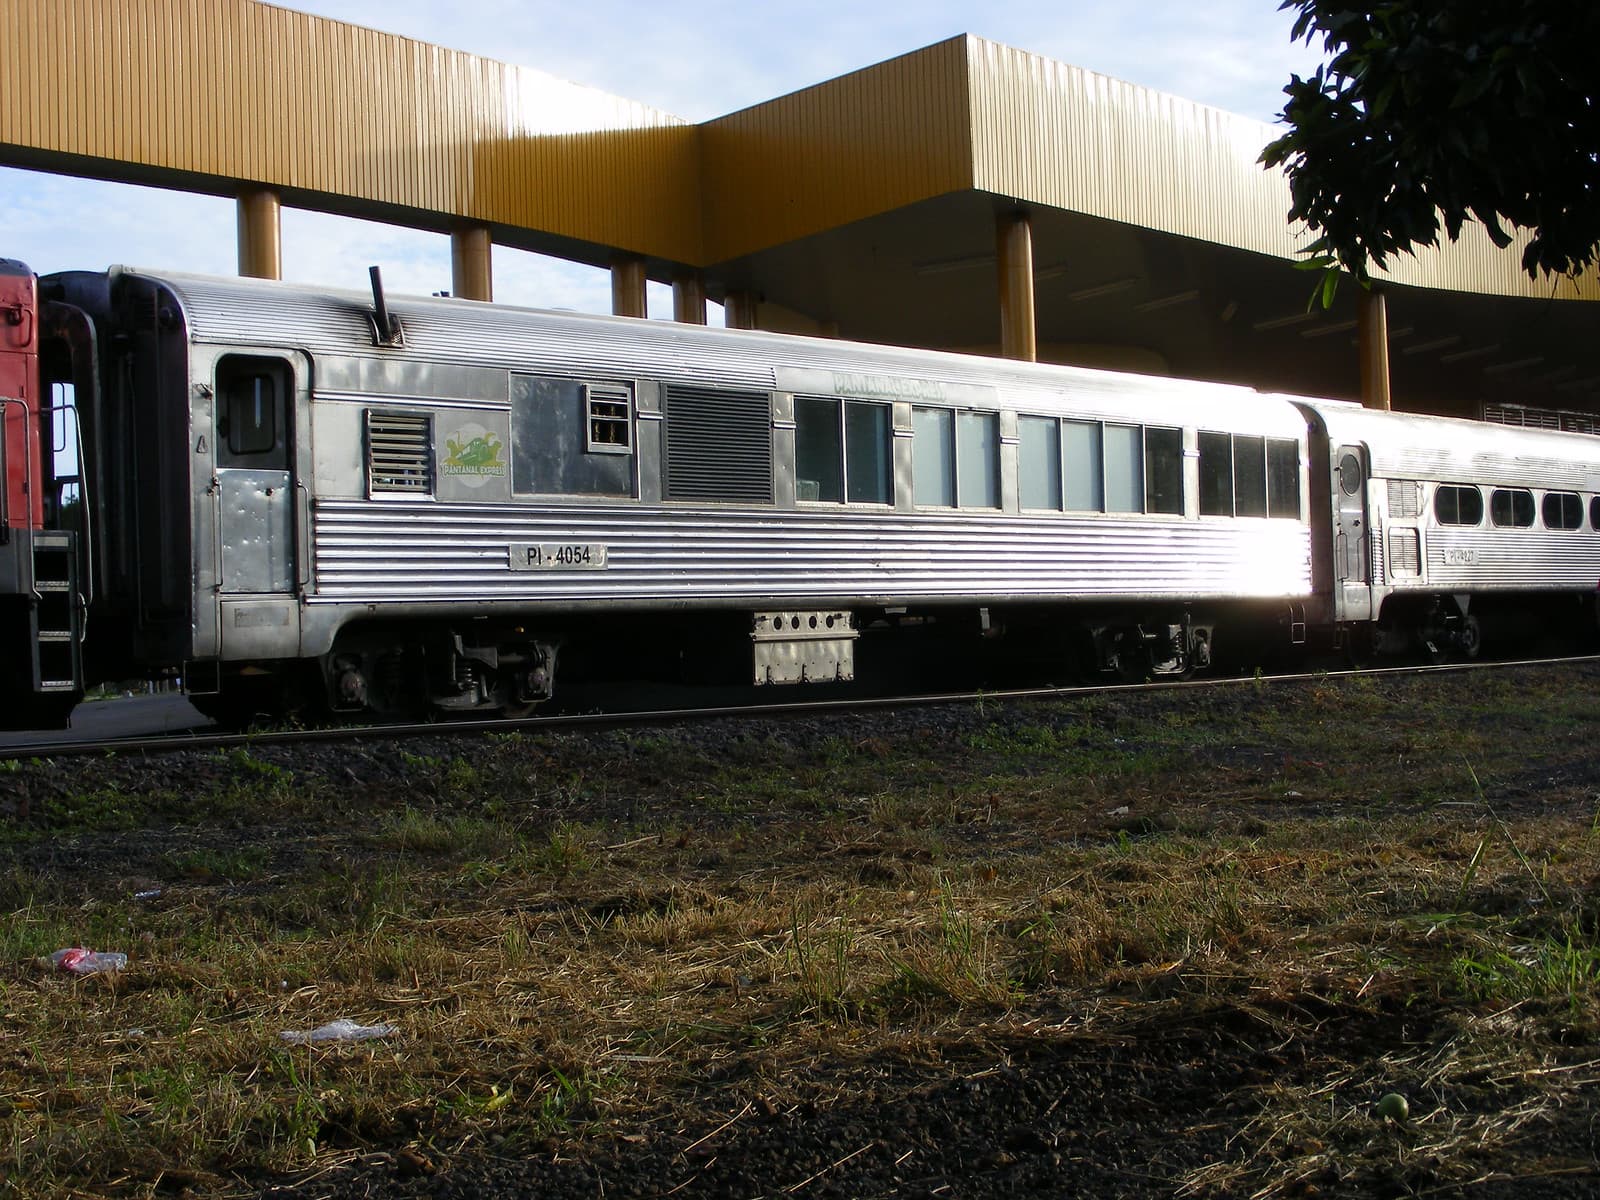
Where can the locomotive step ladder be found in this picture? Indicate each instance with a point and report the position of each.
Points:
(55, 616)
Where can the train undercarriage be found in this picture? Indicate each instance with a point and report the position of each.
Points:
(422, 670)
(415, 670)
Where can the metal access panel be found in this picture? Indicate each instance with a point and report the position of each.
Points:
(257, 531)
(804, 647)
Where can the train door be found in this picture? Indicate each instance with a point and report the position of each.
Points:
(255, 507)
(253, 476)
(1352, 547)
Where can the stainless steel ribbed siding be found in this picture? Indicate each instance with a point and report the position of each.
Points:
(1522, 560)
(368, 553)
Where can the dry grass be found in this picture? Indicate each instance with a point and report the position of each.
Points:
(567, 946)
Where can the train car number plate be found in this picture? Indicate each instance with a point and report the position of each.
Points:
(558, 556)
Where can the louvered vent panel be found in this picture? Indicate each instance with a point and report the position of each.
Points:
(718, 445)
(399, 454)
(1405, 553)
(1403, 498)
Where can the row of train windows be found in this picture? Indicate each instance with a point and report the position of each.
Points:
(1512, 508)
(842, 454)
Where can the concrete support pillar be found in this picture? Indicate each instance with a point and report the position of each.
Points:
(739, 310)
(260, 234)
(471, 262)
(689, 298)
(628, 298)
(1014, 252)
(1372, 338)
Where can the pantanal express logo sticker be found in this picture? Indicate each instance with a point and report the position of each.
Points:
(474, 454)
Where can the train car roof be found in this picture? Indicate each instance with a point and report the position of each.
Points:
(1453, 450)
(325, 320)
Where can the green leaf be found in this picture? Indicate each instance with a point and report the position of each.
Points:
(1330, 285)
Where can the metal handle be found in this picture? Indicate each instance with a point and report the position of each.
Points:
(302, 512)
(215, 492)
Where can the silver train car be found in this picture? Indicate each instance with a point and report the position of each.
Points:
(298, 496)
(1437, 529)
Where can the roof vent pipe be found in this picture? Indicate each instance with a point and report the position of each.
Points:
(386, 325)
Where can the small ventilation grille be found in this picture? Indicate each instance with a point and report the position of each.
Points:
(1404, 500)
(718, 445)
(1405, 555)
(399, 454)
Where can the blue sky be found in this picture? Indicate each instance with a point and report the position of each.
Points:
(712, 58)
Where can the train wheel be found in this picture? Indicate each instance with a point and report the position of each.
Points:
(1469, 638)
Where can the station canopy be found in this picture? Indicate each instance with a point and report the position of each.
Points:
(864, 207)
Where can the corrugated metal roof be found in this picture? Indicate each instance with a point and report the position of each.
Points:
(1062, 136)
(228, 90)
(865, 143)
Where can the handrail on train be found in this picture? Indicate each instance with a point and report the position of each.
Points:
(27, 459)
(85, 510)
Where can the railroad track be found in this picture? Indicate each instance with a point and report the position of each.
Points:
(206, 739)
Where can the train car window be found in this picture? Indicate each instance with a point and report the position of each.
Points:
(1249, 476)
(1594, 512)
(978, 460)
(1562, 510)
(1163, 470)
(933, 457)
(955, 458)
(818, 450)
(868, 453)
(608, 418)
(250, 413)
(250, 409)
(1283, 478)
(1350, 474)
(1246, 476)
(1456, 504)
(1039, 462)
(1216, 475)
(1083, 466)
(1511, 507)
(842, 451)
(1124, 468)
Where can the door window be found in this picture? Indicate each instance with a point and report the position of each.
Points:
(252, 396)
